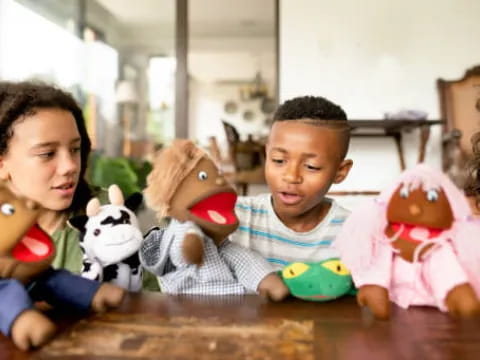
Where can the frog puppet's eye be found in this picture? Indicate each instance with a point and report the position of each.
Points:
(202, 175)
(336, 266)
(294, 270)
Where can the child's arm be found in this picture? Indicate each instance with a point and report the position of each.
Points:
(253, 271)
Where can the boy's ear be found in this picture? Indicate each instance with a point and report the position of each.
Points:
(343, 170)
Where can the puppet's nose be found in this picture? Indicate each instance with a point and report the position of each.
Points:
(414, 210)
(220, 181)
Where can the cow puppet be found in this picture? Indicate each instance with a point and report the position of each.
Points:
(110, 239)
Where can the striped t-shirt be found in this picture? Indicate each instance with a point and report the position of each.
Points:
(261, 230)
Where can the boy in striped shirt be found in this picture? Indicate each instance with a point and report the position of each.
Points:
(305, 155)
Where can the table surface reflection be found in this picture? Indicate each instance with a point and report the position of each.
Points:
(157, 326)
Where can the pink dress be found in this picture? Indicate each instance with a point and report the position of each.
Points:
(425, 282)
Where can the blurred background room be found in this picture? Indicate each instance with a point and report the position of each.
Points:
(147, 71)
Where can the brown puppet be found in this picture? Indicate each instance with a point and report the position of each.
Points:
(192, 255)
(26, 253)
(416, 244)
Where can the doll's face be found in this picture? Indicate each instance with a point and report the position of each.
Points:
(25, 250)
(205, 198)
(416, 216)
(429, 208)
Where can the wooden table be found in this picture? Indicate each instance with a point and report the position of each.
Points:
(156, 326)
(395, 128)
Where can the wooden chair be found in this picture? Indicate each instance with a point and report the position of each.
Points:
(460, 109)
(247, 157)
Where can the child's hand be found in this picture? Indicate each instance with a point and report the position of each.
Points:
(376, 299)
(273, 288)
(192, 249)
(31, 329)
(107, 296)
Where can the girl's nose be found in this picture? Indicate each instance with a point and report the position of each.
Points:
(69, 163)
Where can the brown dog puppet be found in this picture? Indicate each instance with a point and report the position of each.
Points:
(193, 255)
(26, 253)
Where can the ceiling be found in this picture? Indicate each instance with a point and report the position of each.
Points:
(236, 18)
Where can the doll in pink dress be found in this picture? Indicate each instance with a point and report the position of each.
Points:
(416, 244)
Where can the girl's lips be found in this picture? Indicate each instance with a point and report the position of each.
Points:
(289, 198)
(65, 190)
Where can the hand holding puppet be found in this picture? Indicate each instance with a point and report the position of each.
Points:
(320, 281)
(110, 240)
(26, 253)
(193, 255)
(416, 244)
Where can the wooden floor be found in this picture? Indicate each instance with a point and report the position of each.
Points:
(155, 326)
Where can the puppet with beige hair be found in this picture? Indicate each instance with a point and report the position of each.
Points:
(192, 255)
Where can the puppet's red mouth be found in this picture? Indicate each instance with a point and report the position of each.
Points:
(218, 208)
(36, 245)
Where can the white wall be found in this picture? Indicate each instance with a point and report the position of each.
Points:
(376, 56)
(216, 78)
(207, 102)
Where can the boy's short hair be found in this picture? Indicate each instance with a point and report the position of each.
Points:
(319, 111)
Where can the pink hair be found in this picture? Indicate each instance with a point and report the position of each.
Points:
(363, 232)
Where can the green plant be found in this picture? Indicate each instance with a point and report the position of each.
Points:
(129, 174)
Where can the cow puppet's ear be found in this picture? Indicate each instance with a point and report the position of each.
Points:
(134, 201)
(78, 222)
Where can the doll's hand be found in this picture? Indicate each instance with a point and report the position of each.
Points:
(273, 288)
(31, 329)
(376, 299)
(192, 249)
(107, 296)
(461, 301)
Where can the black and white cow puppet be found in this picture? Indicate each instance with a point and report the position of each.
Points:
(110, 240)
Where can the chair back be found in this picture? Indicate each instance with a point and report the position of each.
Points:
(460, 109)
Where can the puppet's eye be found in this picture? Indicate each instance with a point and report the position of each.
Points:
(202, 175)
(432, 195)
(8, 209)
(404, 192)
(96, 232)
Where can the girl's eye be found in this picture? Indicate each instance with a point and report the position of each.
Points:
(8, 209)
(47, 155)
(75, 150)
(202, 176)
(404, 192)
(278, 161)
(432, 195)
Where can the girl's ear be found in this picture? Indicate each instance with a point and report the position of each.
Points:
(343, 170)
(4, 174)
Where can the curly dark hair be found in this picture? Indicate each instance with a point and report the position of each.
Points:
(309, 107)
(316, 110)
(472, 185)
(19, 99)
